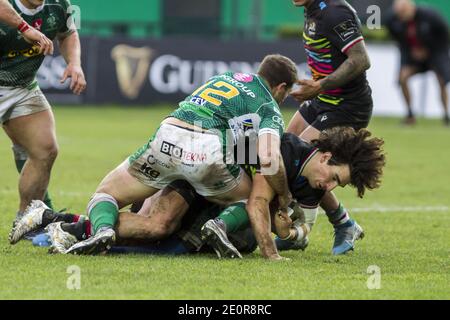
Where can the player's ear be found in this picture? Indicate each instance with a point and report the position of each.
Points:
(325, 157)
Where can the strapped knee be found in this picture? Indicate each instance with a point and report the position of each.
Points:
(101, 197)
(20, 154)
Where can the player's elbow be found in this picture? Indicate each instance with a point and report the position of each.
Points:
(269, 158)
(366, 63)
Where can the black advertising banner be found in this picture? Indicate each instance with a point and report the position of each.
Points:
(147, 71)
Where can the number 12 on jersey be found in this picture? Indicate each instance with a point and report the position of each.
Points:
(205, 93)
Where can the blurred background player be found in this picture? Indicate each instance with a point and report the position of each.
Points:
(339, 93)
(423, 39)
(25, 113)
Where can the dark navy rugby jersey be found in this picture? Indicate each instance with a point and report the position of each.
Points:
(331, 28)
(296, 153)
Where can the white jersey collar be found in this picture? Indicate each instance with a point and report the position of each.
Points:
(29, 12)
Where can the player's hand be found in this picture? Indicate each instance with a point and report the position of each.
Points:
(308, 90)
(284, 201)
(36, 37)
(283, 224)
(78, 83)
(277, 257)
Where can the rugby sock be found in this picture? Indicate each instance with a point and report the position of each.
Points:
(103, 214)
(234, 217)
(339, 216)
(20, 157)
(81, 230)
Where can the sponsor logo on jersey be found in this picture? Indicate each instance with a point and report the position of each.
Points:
(278, 120)
(30, 52)
(152, 161)
(312, 28)
(243, 77)
(247, 124)
(198, 100)
(51, 22)
(323, 118)
(37, 24)
(149, 172)
(346, 29)
(177, 152)
(239, 85)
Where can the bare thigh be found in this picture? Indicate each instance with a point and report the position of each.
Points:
(123, 187)
(240, 192)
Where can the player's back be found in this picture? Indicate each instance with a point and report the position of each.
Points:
(237, 101)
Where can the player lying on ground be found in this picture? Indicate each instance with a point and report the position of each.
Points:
(340, 156)
(192, 144)
(167, 210)
(308, 180)
(62, 231)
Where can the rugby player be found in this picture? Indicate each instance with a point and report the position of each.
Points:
(337, 95)
(191, 144)
(25, 113)
(423, 38)
(310, 169)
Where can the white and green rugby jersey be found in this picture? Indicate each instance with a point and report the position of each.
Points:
(237, 101)
(20, 60)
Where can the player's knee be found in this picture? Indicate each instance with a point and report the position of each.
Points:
(403, 78)
(45, 152)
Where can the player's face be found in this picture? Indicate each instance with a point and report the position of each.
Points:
(405, 10)
(327, 177)
(281, 92)
(301, 3)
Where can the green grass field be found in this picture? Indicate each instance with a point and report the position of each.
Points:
(407, 225)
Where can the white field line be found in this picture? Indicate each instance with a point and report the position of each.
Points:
(386, 209)
(374, 208)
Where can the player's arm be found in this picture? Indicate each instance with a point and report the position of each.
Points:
(272, 167)
(259, 215)
(69, 44)
(357, 62)
(10, 17)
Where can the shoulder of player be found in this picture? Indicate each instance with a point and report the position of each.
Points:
(336, 10)
(427, 13)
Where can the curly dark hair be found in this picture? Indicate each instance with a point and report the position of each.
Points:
(364, 155)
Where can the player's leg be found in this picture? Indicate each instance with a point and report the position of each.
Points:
(36, 217)
(20, 158)
(36, 134)
(240, 192)
(159, 216)
(406, 72)
(118, 189)
(215, 232)
(444, 98)
(346, 229)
